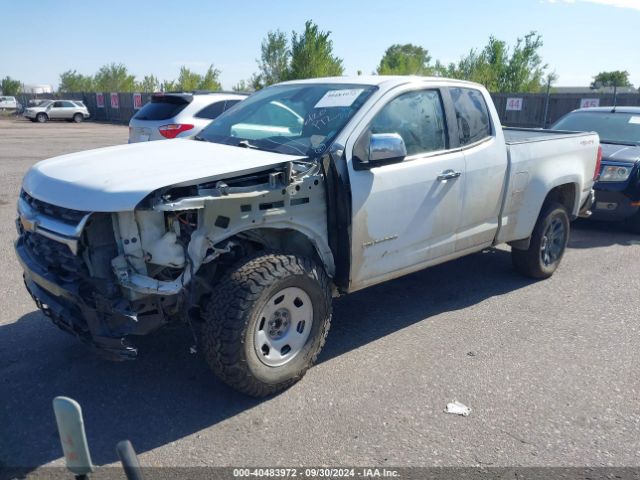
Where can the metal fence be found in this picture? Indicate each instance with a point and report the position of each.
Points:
(525, 109)
(111, 111)
(531, 106)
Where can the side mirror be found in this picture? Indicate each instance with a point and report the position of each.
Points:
(386, 148)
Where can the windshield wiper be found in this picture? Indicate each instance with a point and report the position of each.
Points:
(246, 144)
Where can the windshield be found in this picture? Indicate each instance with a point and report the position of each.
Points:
(45, 103)
(613, 127)
(298, 119)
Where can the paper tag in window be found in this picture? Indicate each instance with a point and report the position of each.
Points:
(635, 120)
(339, 98)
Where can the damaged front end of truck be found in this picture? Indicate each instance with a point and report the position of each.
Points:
(108, 276)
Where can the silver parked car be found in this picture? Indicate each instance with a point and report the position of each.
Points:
(70, 110)
(179, 115)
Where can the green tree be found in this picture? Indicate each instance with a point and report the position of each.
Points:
(189, 80)
(487, 66)
(241, 86)
(169, 86)
(312, 54)
(114, 78)
(149, 84)
(255, 82)
(210, 80)
(500, 68)
(525, 70)
(274, 60)
(72, 81)
(407, 59)
(615, 78)
(9, 86)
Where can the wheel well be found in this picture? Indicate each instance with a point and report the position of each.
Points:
(283, 240)
(564, 195)
(247, 243)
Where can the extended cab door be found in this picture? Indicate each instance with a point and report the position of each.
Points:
(404, 213)
(485, 156)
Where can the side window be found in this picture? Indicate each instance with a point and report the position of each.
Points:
(230, 103)
(471, 114)
(418, 118)
(57, 105)
(68, 105)
(211, 111)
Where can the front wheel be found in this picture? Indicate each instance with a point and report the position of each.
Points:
(548, 243)
(266, 322)
(41, 118)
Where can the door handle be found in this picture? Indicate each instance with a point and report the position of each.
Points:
(448, 175)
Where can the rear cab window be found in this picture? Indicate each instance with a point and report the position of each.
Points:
(162, 108)
(472, 115)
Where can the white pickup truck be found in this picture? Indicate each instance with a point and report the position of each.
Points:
(305, 191)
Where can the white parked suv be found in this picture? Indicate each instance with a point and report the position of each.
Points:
(70, 110)
(305, 191)
(179, 115)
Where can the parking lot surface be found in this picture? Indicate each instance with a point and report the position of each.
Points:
(550, 369)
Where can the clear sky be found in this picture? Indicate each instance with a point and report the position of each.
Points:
(41, 38)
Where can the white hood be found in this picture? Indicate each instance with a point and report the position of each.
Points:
(115, 179)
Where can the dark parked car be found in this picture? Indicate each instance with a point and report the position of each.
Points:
(618, 188)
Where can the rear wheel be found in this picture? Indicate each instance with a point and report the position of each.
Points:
(266, 322)
(78, 118)
(42, 117)
(548, 243)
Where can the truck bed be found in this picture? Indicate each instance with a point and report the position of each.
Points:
(514, 136)
(538, 161)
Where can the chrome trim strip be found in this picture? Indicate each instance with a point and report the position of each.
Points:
(61, 232)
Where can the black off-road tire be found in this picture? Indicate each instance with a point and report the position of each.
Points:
(42, 117)
(78, 118)
(231, 315)
(530, 262)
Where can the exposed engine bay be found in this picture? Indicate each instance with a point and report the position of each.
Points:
(134, 271)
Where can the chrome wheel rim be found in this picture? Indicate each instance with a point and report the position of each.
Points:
(283, 326)
(553, 241)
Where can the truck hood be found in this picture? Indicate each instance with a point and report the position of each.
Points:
(620, 153)
(115, 179)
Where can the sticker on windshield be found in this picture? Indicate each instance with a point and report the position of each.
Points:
(635, 120)
(339, 98)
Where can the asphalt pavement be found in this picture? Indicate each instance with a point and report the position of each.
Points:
(549, 369)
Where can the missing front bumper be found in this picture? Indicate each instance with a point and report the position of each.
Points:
(98, 322)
